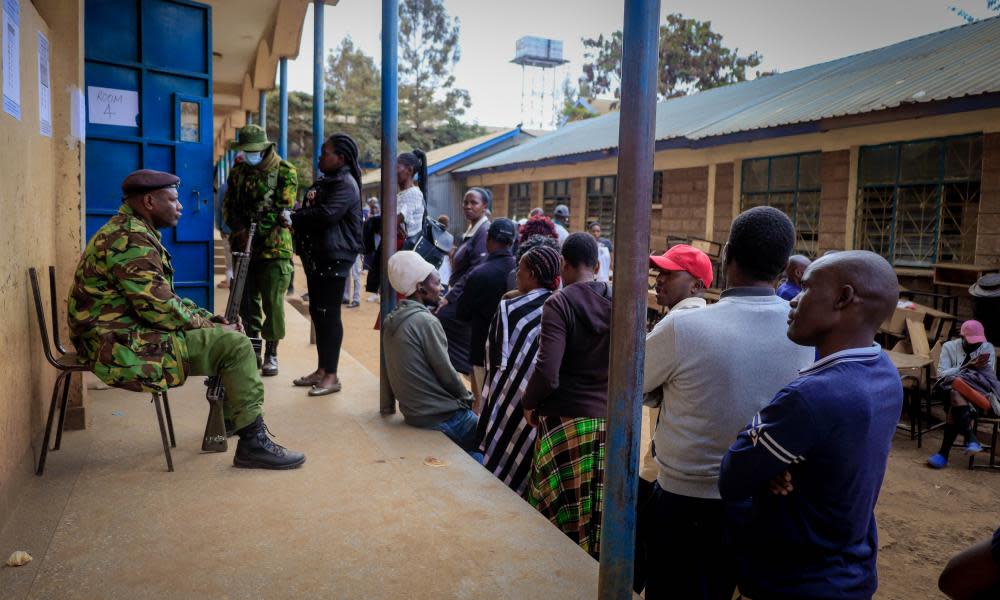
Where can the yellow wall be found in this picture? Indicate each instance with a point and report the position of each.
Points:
(42, 208)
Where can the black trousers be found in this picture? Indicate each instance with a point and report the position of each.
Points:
(326, 284)
(689, 555)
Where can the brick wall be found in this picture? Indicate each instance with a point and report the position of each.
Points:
(577, 203)
(724, 182)
(835, 177)
(657, 235)
(499, 208)
(988, 235)
(685, 197)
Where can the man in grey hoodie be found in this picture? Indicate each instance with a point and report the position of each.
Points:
(717, 366)
(430, 392)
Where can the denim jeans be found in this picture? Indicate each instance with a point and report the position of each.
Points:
(461, 428)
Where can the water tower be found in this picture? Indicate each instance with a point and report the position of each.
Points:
(540, 59)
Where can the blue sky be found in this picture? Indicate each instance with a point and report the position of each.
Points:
(788, 33)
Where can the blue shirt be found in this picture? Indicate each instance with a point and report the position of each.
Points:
(832, 430)
(788, 290)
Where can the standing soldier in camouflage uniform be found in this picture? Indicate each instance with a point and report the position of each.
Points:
(127, 322)
(262, 189)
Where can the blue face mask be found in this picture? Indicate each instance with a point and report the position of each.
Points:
(253, 158)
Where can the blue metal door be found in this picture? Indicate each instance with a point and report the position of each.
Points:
(149, 106)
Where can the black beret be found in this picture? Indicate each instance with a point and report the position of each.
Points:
(147, 180)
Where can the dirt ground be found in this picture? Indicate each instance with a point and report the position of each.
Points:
(924, 516)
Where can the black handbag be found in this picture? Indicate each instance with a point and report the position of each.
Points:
(433, 242)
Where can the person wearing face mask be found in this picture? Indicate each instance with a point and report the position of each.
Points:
(966, 380)
(262, 189)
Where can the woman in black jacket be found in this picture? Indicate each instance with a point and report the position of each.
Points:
(328, 238)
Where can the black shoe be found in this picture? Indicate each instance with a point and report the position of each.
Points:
(230, 428)
(345, 301)
(255, 450)
(270, 366)
(354, 304)
(290, 291)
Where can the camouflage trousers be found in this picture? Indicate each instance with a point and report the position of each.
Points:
(228, 354)
(263, 307)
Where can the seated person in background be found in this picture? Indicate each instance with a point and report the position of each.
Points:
(792, 285)
(974, 573)
(486, 284)
(430, 392)
(966, 375)
(128, 323)
(812, 461)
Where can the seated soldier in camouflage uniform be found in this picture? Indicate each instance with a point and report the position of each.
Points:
(127, 321)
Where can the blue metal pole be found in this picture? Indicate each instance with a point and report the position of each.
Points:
(636, 138)
(390, 118)
(262, 112)
(317, 84)
(283, 108)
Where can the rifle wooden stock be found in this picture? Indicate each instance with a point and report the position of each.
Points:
(214, 439)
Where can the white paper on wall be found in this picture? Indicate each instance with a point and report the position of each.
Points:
(44, 89)
(12, 58)
(110, 106)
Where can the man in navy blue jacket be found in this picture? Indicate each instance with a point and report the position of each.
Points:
(812, 461)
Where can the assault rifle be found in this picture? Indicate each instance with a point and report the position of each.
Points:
(215, 428)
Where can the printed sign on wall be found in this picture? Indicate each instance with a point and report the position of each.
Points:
(109, 106)
(12, 58)
(44, 89)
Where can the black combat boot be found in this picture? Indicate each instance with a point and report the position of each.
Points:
(255, 450)
(270, 367)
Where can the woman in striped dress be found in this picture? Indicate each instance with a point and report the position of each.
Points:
(506, 440)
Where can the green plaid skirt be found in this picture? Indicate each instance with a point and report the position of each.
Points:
(567, 477)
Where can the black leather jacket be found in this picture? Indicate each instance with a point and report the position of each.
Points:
(329, 228)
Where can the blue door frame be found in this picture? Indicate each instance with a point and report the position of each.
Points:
(161, 50)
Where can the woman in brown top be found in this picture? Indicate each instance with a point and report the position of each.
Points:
(567, 398)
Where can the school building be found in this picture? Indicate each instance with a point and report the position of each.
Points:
(92, 90)
(896, 150)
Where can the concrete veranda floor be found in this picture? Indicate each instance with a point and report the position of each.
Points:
(363, 518)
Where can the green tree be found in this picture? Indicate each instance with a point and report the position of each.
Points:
(300, 147)
(992, 6)
(572, 111)
(352, 99)
(429, 104)
(692, 57)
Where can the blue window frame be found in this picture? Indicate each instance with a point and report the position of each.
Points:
(918, 201)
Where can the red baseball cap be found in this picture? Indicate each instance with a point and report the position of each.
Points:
(972, 332)
(685, 258)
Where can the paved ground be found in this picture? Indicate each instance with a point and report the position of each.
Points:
(364, 518)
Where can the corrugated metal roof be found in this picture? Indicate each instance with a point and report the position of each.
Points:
(957, 62)
(445, 153)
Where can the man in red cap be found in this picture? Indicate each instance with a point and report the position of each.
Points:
(966, 373)
(685, 273)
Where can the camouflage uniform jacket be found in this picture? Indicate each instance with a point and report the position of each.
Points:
(125, 318)
(256, 195)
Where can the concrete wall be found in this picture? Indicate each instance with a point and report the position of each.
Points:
(685, 203)
(42, 205)
(835, 170)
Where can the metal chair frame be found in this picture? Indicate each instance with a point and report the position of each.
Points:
(68, 363)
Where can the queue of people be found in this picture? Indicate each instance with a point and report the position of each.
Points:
(772, 411)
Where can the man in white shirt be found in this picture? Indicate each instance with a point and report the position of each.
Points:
(560, 216)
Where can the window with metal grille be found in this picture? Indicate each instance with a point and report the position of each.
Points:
(601, 203)
(918, 202)
(792, 185)
(657, 198)
(519, 200)
(554, 193)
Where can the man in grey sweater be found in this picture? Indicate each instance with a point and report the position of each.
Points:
(430, 392)
(716, 367)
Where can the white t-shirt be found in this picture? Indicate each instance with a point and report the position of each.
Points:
(562, 233)
(604, 259)
(410, 204)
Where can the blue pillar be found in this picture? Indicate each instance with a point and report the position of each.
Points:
(283, 108)
(390, 36)
(262, 112)
(317, 84)
(636, 139)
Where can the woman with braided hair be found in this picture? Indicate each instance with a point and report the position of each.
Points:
(505, 438)
(328, 238)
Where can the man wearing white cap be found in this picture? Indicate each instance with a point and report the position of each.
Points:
(430, 393)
